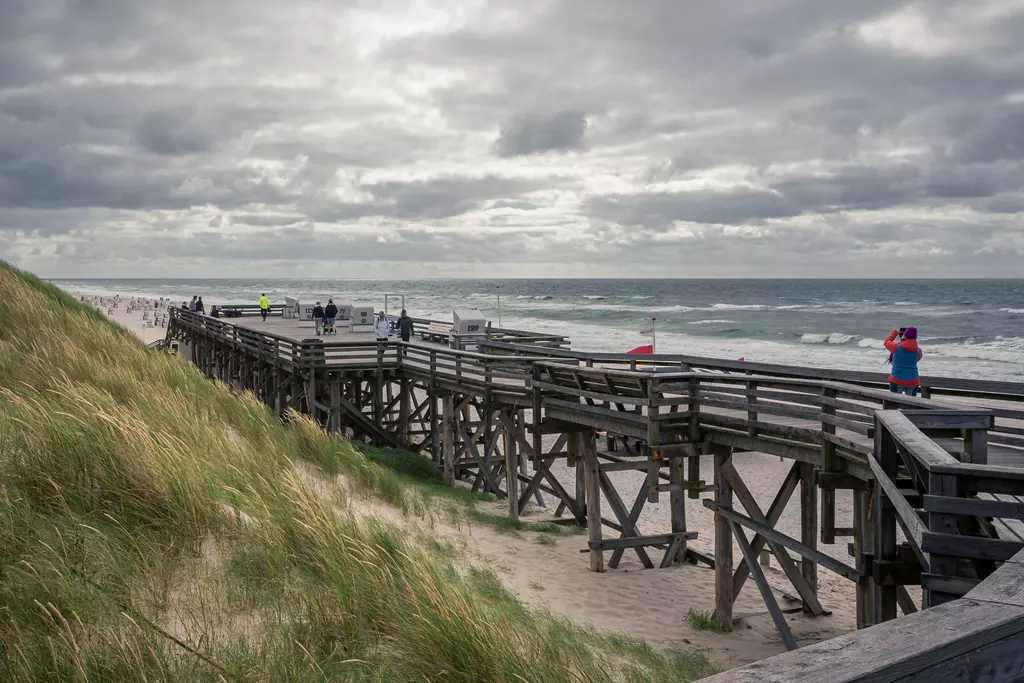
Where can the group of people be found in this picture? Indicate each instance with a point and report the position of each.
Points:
(196, 305)
(324, 317)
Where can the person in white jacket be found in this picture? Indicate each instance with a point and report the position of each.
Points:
(382, 327)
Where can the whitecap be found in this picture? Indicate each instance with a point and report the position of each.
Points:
(831, 338)
(738, 307)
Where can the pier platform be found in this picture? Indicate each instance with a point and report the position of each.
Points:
(937, 481)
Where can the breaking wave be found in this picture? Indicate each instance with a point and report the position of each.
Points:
(832, 338)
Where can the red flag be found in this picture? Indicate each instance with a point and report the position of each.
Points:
(649, 349)
(743, 358)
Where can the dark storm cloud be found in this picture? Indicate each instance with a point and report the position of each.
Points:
(446, 197)
(660, 210)
(862, 132)
(171, 132)
(535, 133)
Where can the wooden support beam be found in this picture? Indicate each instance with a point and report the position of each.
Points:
(508, 418)
(766, 591)
(885, 548)
(724, 596)
(782, 539)
(588, 446)
(448, 439)
(806, 589)
(677, 507)
(626, 520)
(772, 517)
(405, 400)
(809, 535)
(941, 523)
(829, 463)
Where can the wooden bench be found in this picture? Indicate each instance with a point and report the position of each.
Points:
(436, 332)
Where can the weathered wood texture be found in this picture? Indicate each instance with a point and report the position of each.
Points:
(979, 637)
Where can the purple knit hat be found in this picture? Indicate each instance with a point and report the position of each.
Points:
(910, 333)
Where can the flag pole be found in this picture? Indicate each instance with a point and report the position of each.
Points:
(654, 336)
(498, 288)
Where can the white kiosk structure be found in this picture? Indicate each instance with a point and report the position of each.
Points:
(344, 312)
(362, 318)
(305, 315)
(469, 326)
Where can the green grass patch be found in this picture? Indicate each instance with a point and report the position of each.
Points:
(140, 501)
(704, 621)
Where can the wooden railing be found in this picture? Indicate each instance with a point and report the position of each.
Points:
(979, 637)
(466, 368)
(847, 405)
(949, 512)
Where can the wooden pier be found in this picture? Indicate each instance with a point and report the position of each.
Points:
(947, 470)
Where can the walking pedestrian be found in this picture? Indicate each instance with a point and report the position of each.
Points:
(199, 306)
(330, 313)
(318, 318)
(192, 304)
(405, 328)
(382, 327)
(264, 306)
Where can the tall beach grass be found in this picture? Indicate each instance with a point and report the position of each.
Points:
(154, 527)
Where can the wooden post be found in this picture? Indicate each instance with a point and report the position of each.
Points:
(589, 447)
(435, 424)
(538, 444)
(724, 596)
(828, 464)
(751, 407)
(885, 598)
(655, 453)
(863, 542)
(448, 439)
(404, 399)
(511, 465)
(378, 394)
(941, 523)
(283, 382)
(334, 425)
(677, 503)
(487, 417)
(311, 386)
(693, 463)
(576, 460)
(808, 527)
(976, 446)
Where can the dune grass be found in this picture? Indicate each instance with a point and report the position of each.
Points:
(155, 527)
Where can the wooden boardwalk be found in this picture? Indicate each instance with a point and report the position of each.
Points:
(947, 469)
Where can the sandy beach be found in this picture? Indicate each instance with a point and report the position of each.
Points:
(552, 574)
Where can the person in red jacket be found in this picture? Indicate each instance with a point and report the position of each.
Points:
(904, 377)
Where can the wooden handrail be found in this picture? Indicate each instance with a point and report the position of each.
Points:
(950, 385)
(978, 637)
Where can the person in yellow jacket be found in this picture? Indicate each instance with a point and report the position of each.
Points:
(264, 305)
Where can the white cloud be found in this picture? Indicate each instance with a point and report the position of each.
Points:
(822, 137)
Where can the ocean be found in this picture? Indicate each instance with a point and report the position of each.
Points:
(967, 328)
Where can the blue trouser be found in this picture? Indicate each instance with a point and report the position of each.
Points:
(900, 389)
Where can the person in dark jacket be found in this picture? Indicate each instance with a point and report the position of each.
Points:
(904, 377)
(318, 318)
(330, 313)
(405, 328)
(199, 306)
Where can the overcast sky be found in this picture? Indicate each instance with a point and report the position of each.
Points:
(387, 138)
